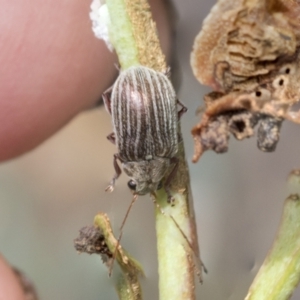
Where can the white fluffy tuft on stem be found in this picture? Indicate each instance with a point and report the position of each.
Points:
(100, 22)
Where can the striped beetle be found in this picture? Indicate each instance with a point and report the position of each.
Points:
(143, 106)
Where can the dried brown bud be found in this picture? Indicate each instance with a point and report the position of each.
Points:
(92, 241)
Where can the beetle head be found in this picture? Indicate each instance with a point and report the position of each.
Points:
(145, 176)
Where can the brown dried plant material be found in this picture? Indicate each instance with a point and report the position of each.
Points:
(92, 241)
(249, 52)
(99, 239)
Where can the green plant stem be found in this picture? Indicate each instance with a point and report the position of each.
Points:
(280, 273)
(125, 290)
(177, 239)
(176, 275)
(175, 254)
(121, 34)
(128, 286)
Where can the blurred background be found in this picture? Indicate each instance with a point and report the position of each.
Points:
(47, 195)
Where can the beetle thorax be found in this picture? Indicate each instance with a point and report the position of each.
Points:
(146, 174)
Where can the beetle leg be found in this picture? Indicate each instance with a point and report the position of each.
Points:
(183, 109)
(111, 186)
(167, 72)
(106, 98)
(112, 138)
(173, 160)
(118, 67)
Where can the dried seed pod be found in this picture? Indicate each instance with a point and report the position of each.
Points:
(216, 135)
(249, 53)
(241, 124)
(268, 133)
(143, 106)
(242, 39)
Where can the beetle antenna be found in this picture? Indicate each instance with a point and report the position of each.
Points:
(198, 262)
(135, 196)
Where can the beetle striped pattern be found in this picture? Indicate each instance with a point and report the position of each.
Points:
(143, 105)
(144, 115)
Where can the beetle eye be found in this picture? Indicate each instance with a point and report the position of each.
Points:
(159, 185)
(131, 184)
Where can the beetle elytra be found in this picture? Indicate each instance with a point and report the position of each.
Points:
(143, 106)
